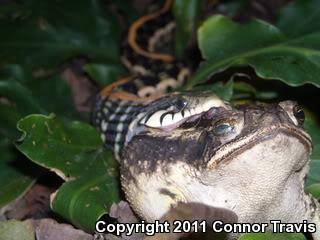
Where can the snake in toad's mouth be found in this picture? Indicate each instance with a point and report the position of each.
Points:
(145, 99)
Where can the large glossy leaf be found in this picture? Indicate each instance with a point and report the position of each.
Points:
(295, 60)
(43, 33)
(74, 151)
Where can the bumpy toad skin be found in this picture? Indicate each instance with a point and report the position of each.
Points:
(250, 159)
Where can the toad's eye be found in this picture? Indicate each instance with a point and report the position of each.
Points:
(181, 104)
(223, 128)
(299, 114)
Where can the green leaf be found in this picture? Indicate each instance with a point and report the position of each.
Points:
(272, 54)
(313, 129)
(313, 175)
(223, 90)
(104, 74)
(50, 93)
(20, 95)
(303, 15)
(51, 31)
(27, 95)
(16, 72)
(186, 15)
(13, 81)
(86, 199)
(243, 90)
(314, 189)
(8, 120)
(231, 9)
(273, 236)
(14, 177)
(237, 90)
(35, 95)
(74, 151)
(16, 174)
(12, 230)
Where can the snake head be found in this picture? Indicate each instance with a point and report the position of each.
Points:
(172, 111)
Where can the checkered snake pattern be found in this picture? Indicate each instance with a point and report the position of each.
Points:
(148, 98)
(152, 76)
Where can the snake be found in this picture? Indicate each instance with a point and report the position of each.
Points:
(147, 97)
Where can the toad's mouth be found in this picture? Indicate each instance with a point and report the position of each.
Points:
(230, 150)
(191, 120)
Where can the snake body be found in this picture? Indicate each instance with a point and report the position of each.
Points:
(145, 98)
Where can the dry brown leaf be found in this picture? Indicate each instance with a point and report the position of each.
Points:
(49, 229)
